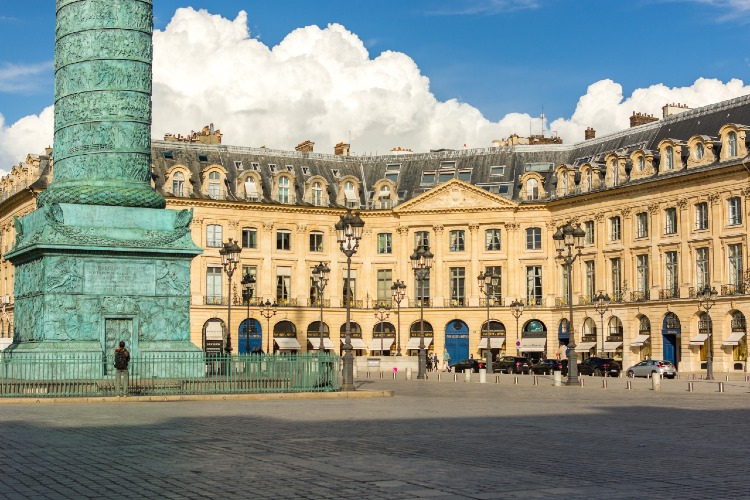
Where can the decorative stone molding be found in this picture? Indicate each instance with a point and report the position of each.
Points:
(653, 208)
(234, 224)
(682, 203)
(713, 198)
(268, 225)
(512, 226)
(438, 228)
(301, 228)
(599, 217)
(625, 212)
(473, 227)
(402, 229)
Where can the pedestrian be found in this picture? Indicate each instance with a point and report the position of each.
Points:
(435, 361)
(429, 363)
(122, 358)
(446, 360)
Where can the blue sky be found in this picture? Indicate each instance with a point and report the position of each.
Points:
(498, 56)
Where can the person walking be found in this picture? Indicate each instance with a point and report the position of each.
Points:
(122, 358)
(446, 360)
(435, 361)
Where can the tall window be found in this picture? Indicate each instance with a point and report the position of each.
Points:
(283, 239)
(701, 268)
(615, 174)
(641, 164)
(457, 241)
(590, 279)
(641, 220)
(495, 292)
(283, 189)
(458, 280)
(564, 281)
(534, 238)
(670, 221)
(669, 158)
(642, 274)
(351, 284)
(492, 240)
(588, 227)
(178, 183)
(672, 280)
(385, 280)
(734, 205)
(214, 186)
(731, 144)
(352, 200)
(701, 215)
(532, 189)
(534, 285)
(423, 290)
(565, 183)
(316, 241)
(317, 194)
(422, 239)
(249, 237)
(616, 278)
(699, 151)
(614, 229)
(213, 235)
(213, 285)
(589, 180)
(384, 198)
(283, 284)
(735, 264)
(251, 270)
(385, 243)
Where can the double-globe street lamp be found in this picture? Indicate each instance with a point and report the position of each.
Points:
(349, 232)
(569, 237)
(230, 257)
(268, 310)
(601, 305)
(487, 283)
(248, 288)
(706, 300)
(421, 262)
(320, 273)
(398, 290)
(516, 309)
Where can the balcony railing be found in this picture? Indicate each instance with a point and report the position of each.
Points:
(666, 293)
(639, 296)
(387, 303)
(584, 300)
(733, 289)
(495, 301)
(533, 302)
(286, 302)
(457, 303)
(418, 302)
(216, 300)
(618, 296)
(561, 301)
(739, 325)
(316, 302)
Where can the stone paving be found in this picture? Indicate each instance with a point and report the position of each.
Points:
(432, 439)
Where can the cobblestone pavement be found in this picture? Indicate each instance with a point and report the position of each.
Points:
(431, 440)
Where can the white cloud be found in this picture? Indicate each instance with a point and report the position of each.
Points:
(16, 78)
(322, 84)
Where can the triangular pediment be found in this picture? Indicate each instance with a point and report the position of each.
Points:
(455, 196)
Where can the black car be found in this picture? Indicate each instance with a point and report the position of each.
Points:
(511, 364)
(599, 367)
(547, 366)
(467, 364)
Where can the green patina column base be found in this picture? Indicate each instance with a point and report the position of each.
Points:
(130, 195)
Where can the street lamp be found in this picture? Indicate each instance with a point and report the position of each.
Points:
(568, 237)
(381, 315)
(268, 310)
(349, 232)
(321, 272)
(399, 292)
(230, 257)
(602, 304)
(421, 262)
(706, 300)
(248, 282)
(516, 309)
(487, 280)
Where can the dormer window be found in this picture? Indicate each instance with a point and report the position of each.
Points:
(669, 158)
(238, 164)
(428, 178)
(214, 185)
(283, 190)
(565, 183)
(336, 172)
(532, 189)
(465, 174)
(352, 200)
(305, 170)
(168, 155)
(392, 171)
(203, 158)
(251, 190)
(589, 179)
(272, 168)
(615, 174)
(384, 198)
(178, 184)
(317, 194)
(290, 168)
(732, 144)
(699, 151)
(641, 164)
(255, 166)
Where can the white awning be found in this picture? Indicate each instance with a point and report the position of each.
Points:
(533, 345)
(375, 344)
(611, 346)
(315, 343)
(287, 343)
(640, 340)
(356, 343)
(699, 339)
(495, 342)
(414, 342)
(734, 338)
(585, 346)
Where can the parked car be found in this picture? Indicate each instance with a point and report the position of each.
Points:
(547, 366)
(511, 364)
(467, 364)
(599, 367)
(651, 367)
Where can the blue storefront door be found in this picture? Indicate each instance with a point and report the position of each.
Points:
(249, 336)
(670, 347)
(457, 340)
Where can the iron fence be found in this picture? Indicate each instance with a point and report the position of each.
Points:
(90, 374)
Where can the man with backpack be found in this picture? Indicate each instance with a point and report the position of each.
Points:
(122, 358)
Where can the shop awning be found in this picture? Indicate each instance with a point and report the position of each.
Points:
(495, 343)
(640, 340)
(287, 343)
(376, 346)
(315, 343)
(734, 338)
(533, 345)
(356, 343)
(699, 339)
(414, 342)
(611, 346)
(585, 346)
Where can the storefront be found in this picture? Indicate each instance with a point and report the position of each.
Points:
(643, 340)
(315, 330)
(533, 342)
(738, 341)
(358, 345)
(493, 333)
(383, 340)
(285, 338)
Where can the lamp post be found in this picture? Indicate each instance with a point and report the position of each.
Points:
(602, 304)
(421, 262)
(321, 273)
(349, 232)
(381, 315)
(248, 282)
(486, 280)
(569, 237)
(268, 310)
(399, 292)
(706, 300)
(516, 309)
(230, 257)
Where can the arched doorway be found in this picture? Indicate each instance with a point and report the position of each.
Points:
(457, 340)
(643, 340)
(533, 342)
(249, 337)
(355, 334)
(671, 332)
(412, 346)
(589, 340)
(285, 337)
(704, 339)
(383, 339)
(314, 332)
(563, 332)
(493, 332)
(738, 340)
(613, 342)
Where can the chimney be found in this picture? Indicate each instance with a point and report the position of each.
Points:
(304, 147)
(589, 133)
(673, 109)
(641, 119)
(341, 149)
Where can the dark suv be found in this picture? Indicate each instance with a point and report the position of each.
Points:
(511, 364)
(599, 367)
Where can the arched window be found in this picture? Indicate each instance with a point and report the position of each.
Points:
(589, 327)
(178, 184)
(214, 186)
(589, 180)
(644, 326)
(699, 151)
(317, 194)
(615, 174)
(565, 183)
(384, 198)
(731, 144)
(615, 326)
(532, 189)
(641, 164)
(283, 190)
(669, 158)
(251, 189)
(350, 196)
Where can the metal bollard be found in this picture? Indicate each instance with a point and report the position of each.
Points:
(440, 377)
(381, 374)
(455, 377)
(467, 375)
(515, 380)
(690, 387)
(727, 378)
(629, 385)
(483, 376)
(368, 374)
(721, 386)
(409, 373)
(394, 376)
(604, 383)
(497, 379)
(557, 378)
(536, 380)
(581, 381)
(655, 383)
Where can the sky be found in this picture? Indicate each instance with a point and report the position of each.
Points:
(417, 74)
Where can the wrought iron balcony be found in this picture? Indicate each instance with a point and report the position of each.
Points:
(669, 293)
(495, 301)
(533, 302)
(457, 302)
(584, 300)
(317, 302)
(733, 289)
(561, 301)
(639, 296)
(427, 302)
(618, 296)
(387, 303)
(286, 302)
(216, 300)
